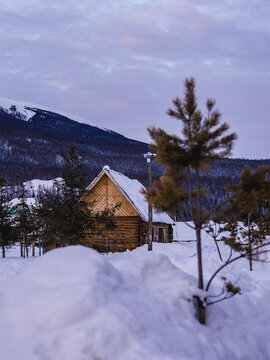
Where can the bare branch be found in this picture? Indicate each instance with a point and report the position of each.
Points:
(243, 255)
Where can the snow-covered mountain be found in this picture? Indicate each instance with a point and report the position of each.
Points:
(25, 111)
(32, 137)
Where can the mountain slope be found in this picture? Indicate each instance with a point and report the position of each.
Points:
(23, 110)
(32, 137)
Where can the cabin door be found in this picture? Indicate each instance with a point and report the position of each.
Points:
(161, 235)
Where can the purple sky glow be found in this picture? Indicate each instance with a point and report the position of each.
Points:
(119, 63)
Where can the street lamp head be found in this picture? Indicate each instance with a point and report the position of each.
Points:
(149, 156)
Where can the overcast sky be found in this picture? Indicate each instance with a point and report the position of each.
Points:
(119, 63)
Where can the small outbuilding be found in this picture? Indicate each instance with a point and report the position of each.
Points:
(110, 188)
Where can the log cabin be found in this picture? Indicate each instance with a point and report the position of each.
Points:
(110, 188)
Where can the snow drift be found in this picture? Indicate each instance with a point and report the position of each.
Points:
(74, 303)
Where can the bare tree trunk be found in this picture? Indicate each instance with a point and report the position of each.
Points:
(249, 244)
(197, 219)
(201, 307)
(260, 242)
(21, 244)
(199, 258)
(3, 246)
(39, 247)
(24, 246)
(198, 231)
(215, 238)
(219, 253)
(33, 247)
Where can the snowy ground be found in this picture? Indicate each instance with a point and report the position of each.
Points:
(75, 304)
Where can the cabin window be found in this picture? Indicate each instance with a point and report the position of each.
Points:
(161, 235)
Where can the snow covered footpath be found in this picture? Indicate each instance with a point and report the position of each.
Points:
(75, 304)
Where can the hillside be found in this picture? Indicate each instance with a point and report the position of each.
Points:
(32, 137)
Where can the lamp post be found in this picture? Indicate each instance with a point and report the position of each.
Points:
(148, 156)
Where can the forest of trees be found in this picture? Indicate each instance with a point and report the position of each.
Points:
(38, 225)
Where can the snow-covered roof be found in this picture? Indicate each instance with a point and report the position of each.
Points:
(132, 189)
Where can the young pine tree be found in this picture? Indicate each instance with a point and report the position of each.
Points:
(249, 212)
(203, 139)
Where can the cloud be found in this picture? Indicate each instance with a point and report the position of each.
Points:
(119, 63)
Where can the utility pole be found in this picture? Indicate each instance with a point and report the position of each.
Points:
(148, 156)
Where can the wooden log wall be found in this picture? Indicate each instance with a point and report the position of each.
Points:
(106, 195)
(128, 234)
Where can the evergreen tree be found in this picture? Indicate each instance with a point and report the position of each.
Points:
(37, 226)
(24, 222)
(74, 173)
(64, 217)
(6, 218)
(248, 219)
(202, 141)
